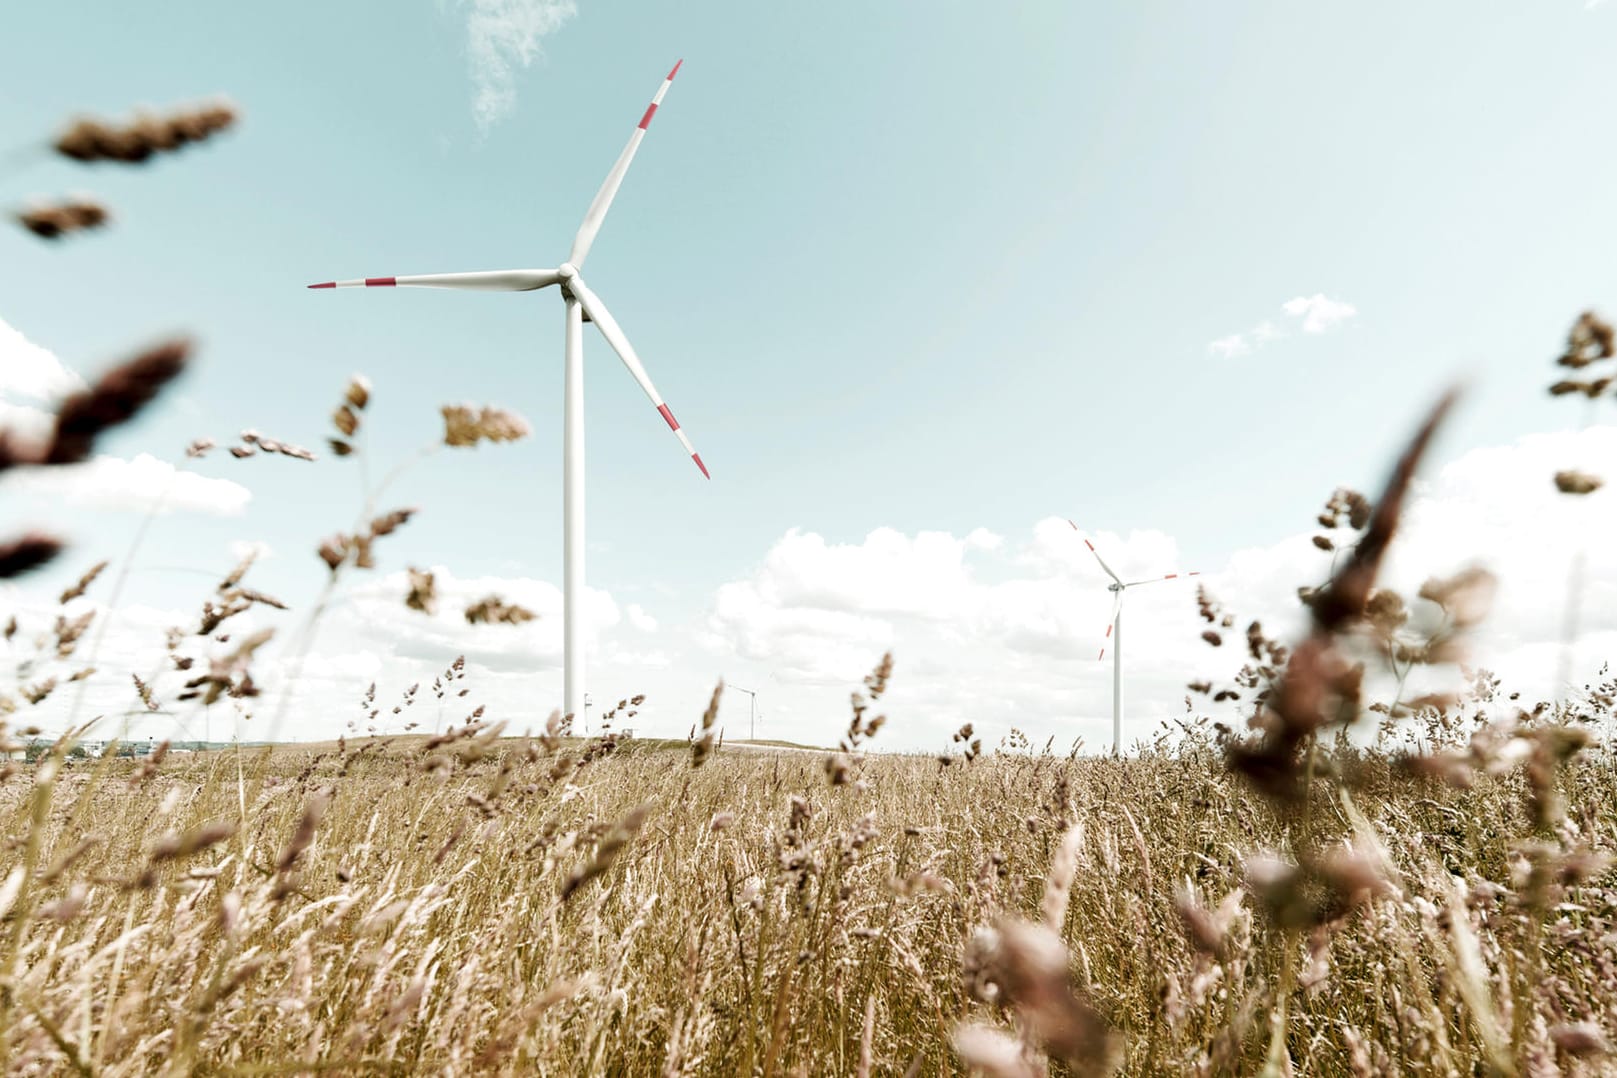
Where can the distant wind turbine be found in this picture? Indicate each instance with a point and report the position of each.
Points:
(1114, 634)
(582, 306)
(752, 710)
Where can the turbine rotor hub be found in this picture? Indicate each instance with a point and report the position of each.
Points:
(567, 271)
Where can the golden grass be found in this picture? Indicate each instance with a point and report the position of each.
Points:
(290, 912)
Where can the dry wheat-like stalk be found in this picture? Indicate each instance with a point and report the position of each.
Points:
(115, 398)
(493, 610)
(88, 140)
(607, 851)
(465, 425)
(27, 553)
(703, 747)
(54, 220)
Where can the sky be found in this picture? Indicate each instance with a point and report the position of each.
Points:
(922, 282)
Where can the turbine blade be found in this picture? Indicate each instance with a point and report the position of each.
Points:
(493, 281)
(1095, 552)
(620, 344)
(1159, 579)
(596, 214)
(1111, 622)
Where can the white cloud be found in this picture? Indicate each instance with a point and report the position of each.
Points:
(821, 614)
(260, 550)
(983, 539)
(143, 484)
(1226, 347)
(888, 573)
(383, 619)
(640, 619)
(25, 422)
(1318, 312)
(502, 38)
(28, 370)
(653, 660)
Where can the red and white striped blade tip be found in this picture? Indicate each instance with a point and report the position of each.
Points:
(651, 109)
(1101, 656)
(368, 282)
(673, 424)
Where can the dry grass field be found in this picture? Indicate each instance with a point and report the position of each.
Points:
(496, 906)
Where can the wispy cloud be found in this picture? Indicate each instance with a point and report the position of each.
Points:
(1311, 314)
(502, 38)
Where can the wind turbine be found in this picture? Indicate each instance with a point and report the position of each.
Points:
(1114, 633)
(752, 710)
(582, 306)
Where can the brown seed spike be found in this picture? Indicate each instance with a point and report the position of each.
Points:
(114, 399)
(55, 221)
(25, 554)
(423, 594)
(1575, 482)
(334, 550)
(90, 140)
(83, 584)
(358, 393)
(1344, 597)
(345, 420)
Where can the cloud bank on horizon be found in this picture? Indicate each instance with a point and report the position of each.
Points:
(992, 629)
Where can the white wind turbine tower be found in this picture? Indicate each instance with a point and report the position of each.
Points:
(752, 710)
(1114, 633)
(582, 306)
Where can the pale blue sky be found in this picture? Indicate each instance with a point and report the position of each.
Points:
(916, 265)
